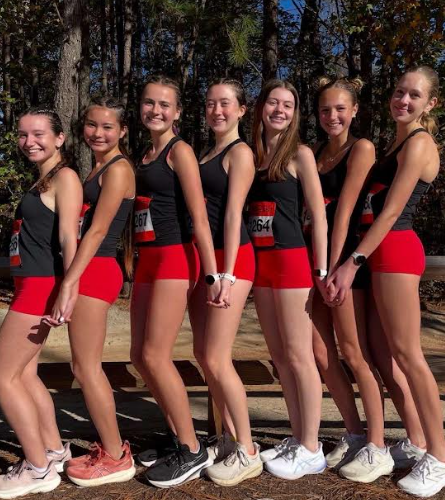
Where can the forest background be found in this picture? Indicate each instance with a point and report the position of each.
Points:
(57, 53)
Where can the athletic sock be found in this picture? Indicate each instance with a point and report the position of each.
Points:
(37, 469)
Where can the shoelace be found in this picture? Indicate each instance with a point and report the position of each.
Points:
(177, 457)
(216, 441)
(95, 454)
(239, 454)
(282, 446)
(292, 452)
(422, 469)
(365, 455)
(16, 470)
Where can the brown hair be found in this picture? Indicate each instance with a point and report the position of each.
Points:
(166, 82)
(428, 122)
(289, 140)
(127, 236)
(56, 126)
(351, 85)
(237, 87)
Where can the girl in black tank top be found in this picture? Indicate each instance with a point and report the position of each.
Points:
(94, 280)
(168, 186)
(343, 165)
(282, 287)
(396, 260)
(42, 247)
(227, 171)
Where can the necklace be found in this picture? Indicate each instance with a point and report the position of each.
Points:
(329, 160)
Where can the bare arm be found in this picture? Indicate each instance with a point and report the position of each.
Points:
(185, 165)
(360, 161)
(241, 173)
(310, 181)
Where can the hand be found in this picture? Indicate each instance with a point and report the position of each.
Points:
(64, 305)
(213, 292)
(224, 295)
(342, 280)
(320, 283)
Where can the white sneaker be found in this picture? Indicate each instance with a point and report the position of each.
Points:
(221, 447)
(347, 447)
(405, 454)
(237, 467)
(278, 449)
(368, 464)
(59, 458)
(22, 479)
(426, 479)
(296, 462)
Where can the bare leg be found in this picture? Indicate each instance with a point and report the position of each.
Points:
(87, 332)
(44, 404)
(350, 326)
(397, 299)
(393, 378)
(21, 340)
(227, 388)
(198, 313)
(330, 366)
(140, 302)
(265, 306)
(293, 308)
(164, 314)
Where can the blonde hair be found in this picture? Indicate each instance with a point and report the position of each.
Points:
(289, 140)
(351, 85)
(166, 82)
(428, 122)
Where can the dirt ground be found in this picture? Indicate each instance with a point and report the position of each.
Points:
(140, 420)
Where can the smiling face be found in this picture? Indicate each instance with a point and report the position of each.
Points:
(37, 140)
(411, 98)
(102, 130)
(336, 111)
(278, 110)
(223, 110)
(159, 107)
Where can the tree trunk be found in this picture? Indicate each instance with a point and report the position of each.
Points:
(120, 44)
(104, 46)
(113, 56)
(270, 39)
(366, 110)
(67, 88)
(7, 80)
(126, 60)
(83, 152)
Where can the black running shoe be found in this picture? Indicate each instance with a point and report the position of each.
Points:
(164, 447)
(180, 467)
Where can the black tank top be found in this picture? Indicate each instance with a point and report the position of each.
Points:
(332, 184)
(274, 209)
(382, 177)
(35, 249)
(91, 194)
(168, 213)
(215, 184)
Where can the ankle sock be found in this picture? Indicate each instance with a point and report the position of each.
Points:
(37, 469)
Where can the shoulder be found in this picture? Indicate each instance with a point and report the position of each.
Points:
(419, 148)
(363, 146)
(240, 152)
(66, 176)
(180, 148)
(304, 155)
(120, 167)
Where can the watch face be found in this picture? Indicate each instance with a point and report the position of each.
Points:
(360, 259)
(210, 279)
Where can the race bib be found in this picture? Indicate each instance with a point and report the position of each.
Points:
(143, 226)
(367, 217)
(306, 216)
(85, 208)
(261, 214)
(14, 253)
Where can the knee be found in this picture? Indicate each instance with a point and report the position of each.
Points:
(409, 360)
(216, 366)
(153, 362)
(136, 359)
(86, 373)
(353, 357)
(199, 356)
(299, 361)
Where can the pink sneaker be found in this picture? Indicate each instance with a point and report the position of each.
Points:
(95, 449)
(22, 479)
(102, 469)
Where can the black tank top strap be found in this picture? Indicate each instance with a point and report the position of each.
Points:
(400, 146)
(105, 167)
(229, 147)
(164, 153)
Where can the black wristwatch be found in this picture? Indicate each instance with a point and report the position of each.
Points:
(212, 278)
(358, 258)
